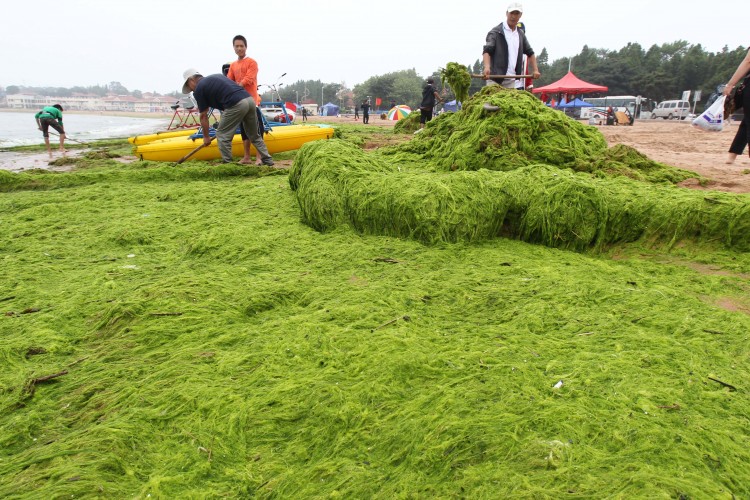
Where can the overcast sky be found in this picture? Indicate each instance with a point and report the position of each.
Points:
(146, 45)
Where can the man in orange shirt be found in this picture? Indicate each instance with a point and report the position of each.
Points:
(245, 72)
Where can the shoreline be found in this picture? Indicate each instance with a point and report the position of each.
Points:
(126, 114)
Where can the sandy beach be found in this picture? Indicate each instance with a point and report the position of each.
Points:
(672, 142)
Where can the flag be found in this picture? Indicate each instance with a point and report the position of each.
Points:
(378, 100)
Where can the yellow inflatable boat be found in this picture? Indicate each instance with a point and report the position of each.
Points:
(166, 134)
(279, 139)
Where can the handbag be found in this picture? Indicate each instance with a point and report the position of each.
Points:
(739, 95)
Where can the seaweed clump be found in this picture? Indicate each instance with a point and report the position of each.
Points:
(408, 125)
(458, 78)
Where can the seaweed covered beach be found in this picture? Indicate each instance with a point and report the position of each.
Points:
(480, 310)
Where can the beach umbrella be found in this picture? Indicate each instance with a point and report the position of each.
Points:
(398, 112)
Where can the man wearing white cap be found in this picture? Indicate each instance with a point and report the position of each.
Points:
(504, 50)
(219, 92)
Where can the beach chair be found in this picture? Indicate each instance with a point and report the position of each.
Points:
(622, 118)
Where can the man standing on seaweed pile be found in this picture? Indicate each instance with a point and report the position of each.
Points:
(429, 95)
(219, 92)
(245, 72)
(51, 116)
(504, 50)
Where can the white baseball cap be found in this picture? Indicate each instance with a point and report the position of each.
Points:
(187, 75)
(515, 6)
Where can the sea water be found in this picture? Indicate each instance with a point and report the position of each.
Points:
(19, 129)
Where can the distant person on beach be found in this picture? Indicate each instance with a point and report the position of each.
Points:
(427, 106)
(365, 111)
(504, 49)
(237, 106)
(611, 118)
(356, 112)
(304, 114)
(245, 72)
(742, 138)
(51, 116)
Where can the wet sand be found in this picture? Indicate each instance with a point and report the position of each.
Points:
(22, 161)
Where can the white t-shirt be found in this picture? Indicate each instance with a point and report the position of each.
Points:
(514, 42)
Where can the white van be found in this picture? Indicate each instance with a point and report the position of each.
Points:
(671, 109)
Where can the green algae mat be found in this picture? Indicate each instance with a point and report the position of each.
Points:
(191, 332)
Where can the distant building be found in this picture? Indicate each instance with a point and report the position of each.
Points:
(149, 103)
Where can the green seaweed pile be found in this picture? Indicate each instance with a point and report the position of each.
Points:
(512, 169)
(523, 131)
(338, 183)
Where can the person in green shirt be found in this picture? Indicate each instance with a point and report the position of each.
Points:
(51, 116)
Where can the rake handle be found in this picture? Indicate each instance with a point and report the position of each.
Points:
(474, 75)
(190, 154)
(70, 139)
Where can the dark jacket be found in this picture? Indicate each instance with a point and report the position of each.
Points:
(428, 97)
(497, 48)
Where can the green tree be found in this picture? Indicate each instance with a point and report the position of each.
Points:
(476, 83)
(118, 88)
(407, 89)
(404, 87)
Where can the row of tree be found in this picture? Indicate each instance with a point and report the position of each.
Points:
(115, 88)
(659, 73)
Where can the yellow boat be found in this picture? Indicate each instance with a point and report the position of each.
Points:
(166, 134)
(279, 139)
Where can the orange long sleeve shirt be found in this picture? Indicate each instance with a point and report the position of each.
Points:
(245, 72)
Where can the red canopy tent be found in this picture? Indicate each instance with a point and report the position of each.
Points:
(569, 85)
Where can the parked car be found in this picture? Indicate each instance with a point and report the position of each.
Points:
(274, 113)
(671, 109)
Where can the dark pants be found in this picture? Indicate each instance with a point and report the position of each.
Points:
(261, 127)
(365, 117)
(50, 122)
(742, 138)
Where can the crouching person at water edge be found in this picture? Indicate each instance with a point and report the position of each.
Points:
(235, 103)
(51, 116)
